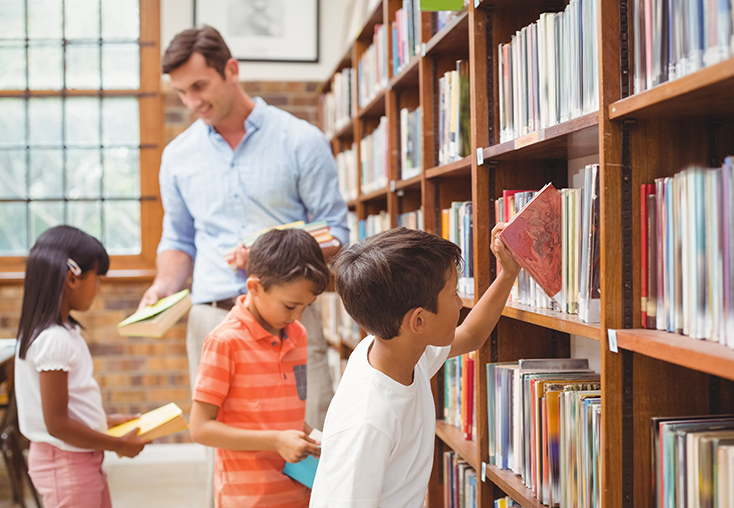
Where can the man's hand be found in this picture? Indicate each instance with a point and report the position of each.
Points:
(152, 295)
(507, 262)
(294, 446)
(237, 258)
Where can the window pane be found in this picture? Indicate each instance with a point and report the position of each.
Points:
(122, 227)
(120, 19)
(13, 229)
(83, 173)
(45, 215)
(44, 19)
(120, 66)
(44, 118)
(82, 121)
(121, 173)
(82, 66)
(47, 177)
(81, 19)
(13, 174)
(86, 216)
(45, 66)
(12, 122)
(12, 22)
(120, 121)
(12, 63)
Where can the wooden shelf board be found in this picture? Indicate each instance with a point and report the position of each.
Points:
(701, 355)
(410, 182)
(456, 168)
(376, 107)
(467, 300)
(378, 194)
(347, 131)
(568, 323)
(512, 485)
(452, 40)
(408, 76)
(569, 140)
(706, 92)
(454, 438)
(352, 204)
(368, 30)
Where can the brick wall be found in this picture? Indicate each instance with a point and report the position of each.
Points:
(138, 374)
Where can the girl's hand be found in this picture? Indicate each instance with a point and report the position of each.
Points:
(118, 419)
(130, 444)
(507, 262)
(294, 446)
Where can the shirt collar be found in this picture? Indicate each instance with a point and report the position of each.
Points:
(249, 321)
(254, 120)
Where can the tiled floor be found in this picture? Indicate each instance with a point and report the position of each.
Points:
(162, 476)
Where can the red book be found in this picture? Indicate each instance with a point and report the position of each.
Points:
(643, 256)
(469, 399)
(533, 237)
(506, 194)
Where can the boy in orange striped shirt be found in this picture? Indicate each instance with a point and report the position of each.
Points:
(250, 393)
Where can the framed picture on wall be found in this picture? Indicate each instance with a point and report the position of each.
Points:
(264, 30)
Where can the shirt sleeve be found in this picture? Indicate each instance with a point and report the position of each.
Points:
(435, 356)
(52, 352)
(213, 379)
(318, 185)
(354, 462)
(178, 224)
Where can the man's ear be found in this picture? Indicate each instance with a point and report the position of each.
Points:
(232, 70)
(253, 285)
(415, 321)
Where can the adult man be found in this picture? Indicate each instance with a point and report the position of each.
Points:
(241, 167)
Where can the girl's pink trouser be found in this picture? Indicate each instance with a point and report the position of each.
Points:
(68, 479)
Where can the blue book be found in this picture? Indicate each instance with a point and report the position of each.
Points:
(303, 472)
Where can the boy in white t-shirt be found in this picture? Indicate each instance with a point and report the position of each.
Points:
(400, 286)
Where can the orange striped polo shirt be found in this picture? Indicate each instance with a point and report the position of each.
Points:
(259, 383)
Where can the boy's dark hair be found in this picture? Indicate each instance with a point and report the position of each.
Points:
(206, 41)
(383, 278)
(283, 256)
(45, 276)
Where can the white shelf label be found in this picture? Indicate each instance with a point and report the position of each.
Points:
(392, 185)
(476, 3)
(484, 472)
(612, 340)
(423, 49)
(480, 156)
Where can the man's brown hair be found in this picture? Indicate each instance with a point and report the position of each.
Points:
(206, 41)
(283, 256)
(383, 278)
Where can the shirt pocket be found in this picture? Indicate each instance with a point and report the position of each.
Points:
(301, 380)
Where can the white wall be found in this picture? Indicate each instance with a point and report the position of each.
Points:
(178, 15)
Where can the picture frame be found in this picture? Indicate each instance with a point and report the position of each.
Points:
(264, 30)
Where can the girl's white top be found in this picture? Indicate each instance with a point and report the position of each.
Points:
(58, 348)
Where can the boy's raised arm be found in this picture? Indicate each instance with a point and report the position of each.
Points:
(482, 319)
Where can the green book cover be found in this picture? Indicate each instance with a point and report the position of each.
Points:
(156, 308)
(442, 5)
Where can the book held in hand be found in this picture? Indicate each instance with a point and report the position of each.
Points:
(154, 424)
(533, 237)
(304, 471)
(155, 320)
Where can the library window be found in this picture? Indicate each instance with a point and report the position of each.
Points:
(73, 120)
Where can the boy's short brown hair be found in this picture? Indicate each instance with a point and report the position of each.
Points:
(283, 256)
(383, 278)
(206, 41)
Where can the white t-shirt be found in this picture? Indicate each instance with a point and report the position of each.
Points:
(377, 447)
(58, 348)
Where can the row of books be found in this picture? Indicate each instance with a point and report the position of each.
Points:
(674, 38)
(338, 325)
(549, 71)
(406, 35)
(505, 502)
(411, 162)
(373, 224)
(337, 104)
(459, 482)
(372, 68)
(457, 225)
(353, 225)
(346, 166)
(373, 158)
(544, 424)
(443, 18)
(336, 364)
(687, 253)
(411, 220)
(454, 114)
(693, 461)
(459, 394)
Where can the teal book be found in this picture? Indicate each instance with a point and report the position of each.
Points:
(303, 472)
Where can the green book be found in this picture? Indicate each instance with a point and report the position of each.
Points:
(156, 319)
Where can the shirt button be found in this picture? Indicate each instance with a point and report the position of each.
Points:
(275, 343)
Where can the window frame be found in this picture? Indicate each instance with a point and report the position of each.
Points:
(150, 106)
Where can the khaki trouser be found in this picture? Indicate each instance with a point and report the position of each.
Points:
(204, 318)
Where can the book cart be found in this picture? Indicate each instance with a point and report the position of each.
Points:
(637, 138)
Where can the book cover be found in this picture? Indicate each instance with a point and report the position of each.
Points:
(304, 471)
(154, 424)
(533, 237)
(156, 319)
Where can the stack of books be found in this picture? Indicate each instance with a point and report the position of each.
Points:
(549, 71)
(155, 320)
(459, 482)
(373, 158)
(411, 163)
(406, 35)
(337, 105)
(687, 253)
(346, 165)
(457, 225)
(454, 115)
(372, 68)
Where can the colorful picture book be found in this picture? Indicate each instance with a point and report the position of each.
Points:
(155, 320)
(154, 424)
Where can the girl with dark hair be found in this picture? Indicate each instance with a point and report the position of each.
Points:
(59, 402)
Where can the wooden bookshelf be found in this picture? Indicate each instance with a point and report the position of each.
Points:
(407, 77)
(462, 167)
(346, 132)
(375, 108)
(371, 196)
(451, 40)
(409, 183)
(454, 438)
(467, 300)
(567, 323)
(511, 484)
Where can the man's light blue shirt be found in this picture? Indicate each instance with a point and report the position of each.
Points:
(281, 171)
